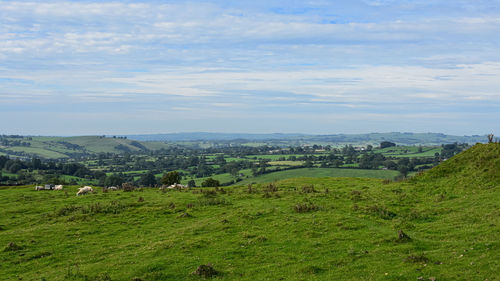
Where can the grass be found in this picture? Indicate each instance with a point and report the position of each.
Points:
(40, 152)
(286, 163)
(409, 151)
(51, 148)
(321, 172)
(342, 229)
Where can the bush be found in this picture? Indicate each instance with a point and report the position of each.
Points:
(271, 188)
(305, 207)
(380, 211)
(210, 182)
(308, 189)
(206, 271)
(127, 187)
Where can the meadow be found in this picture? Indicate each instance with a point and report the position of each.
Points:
(294, 229)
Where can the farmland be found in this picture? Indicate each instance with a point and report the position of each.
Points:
(114, 160)
(294, 229)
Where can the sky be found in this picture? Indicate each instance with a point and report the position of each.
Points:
(317, 67)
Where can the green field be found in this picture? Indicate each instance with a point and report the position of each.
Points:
(41, 152)
(297, 229)
(409, 151)
(286, 163)
(321, 172)
(54, 147)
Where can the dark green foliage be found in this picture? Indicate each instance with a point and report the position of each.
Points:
(191, 183)
(385, 144)
(210, 182)
(148, 179)
(113, 180)
(171, 178)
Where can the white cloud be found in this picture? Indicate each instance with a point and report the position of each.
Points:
(237, 58)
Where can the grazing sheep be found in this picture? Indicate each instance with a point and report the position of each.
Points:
(38, 187)
(84, 190)
(112, 188)
(58, 187)
(176, 186)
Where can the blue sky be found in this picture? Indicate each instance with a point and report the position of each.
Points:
(124, 67)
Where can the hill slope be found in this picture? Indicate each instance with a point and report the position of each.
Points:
(64, 147)
(478, 166)
(296, 229)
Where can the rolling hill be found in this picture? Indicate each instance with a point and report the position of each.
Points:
(298, 139)
(66, 147)
(441, 225)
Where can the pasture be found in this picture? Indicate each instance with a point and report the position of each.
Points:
(319, 173)
(295, 230)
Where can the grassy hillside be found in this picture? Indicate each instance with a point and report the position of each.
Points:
(297, 229)
(479, 166)
(64, 147)
(319, 173)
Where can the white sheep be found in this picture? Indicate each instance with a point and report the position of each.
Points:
(58, 187)
(84, 190)
(38, 187)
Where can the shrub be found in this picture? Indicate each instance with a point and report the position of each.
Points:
(66, 210)
(206, 271)
(380, 211)
(127, 187)
(305, 207)
(210, 182)
(113, 207)
(249, 188)
(209, 193)
(271, 188)
(308, 189)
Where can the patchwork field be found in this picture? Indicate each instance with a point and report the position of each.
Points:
(295, 229)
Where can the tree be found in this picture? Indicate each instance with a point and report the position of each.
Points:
(403, 170)
(171, 178)
(113, 180)
(210, 182)
(36, 163)
(191, 183)
(148, 179)
(385, 144)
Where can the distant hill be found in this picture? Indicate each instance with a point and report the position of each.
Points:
(203, 136)
(66, 147)
(287, 139)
